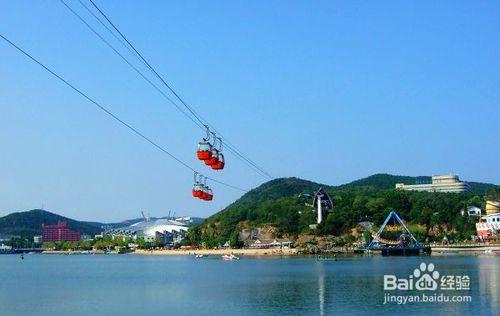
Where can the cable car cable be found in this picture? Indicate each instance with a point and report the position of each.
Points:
(127, 61)
(237, 155)
(229, 145)
(111, 114)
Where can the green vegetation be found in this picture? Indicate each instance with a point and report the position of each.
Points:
(106, 244)
(277, 204)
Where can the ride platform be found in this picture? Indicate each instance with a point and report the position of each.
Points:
(395, 239)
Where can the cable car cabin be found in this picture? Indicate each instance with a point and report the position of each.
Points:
(197, 190)
(220, 163)
(204, 150)
(209, 195)
(206, 194)
(213, 159)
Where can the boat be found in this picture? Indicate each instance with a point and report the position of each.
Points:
(200, 256)
(230, 257)
(324, 258)
(6, 249)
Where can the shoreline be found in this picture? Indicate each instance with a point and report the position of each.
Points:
(182, 252)
(436, 250)
(215, 252)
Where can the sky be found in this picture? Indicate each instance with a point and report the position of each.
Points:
(330, 92)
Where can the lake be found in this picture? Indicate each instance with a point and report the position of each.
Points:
(183, 285)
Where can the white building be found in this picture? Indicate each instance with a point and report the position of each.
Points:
(489, 226)
(473, 211)
(444, 183)
(37, 239)
(165, 230)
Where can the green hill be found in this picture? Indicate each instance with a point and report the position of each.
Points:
(277, 204)
(388, 181)
(28, 224)
(385, 181)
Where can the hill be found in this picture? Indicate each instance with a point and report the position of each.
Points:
(28, 224)
(385, 181)
(276, 205)
(388, 181)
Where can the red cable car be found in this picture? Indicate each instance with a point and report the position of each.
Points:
(214, 159)
(219, 165)
(200, 189)
(209, 195)
(197, 187)
(204, 151)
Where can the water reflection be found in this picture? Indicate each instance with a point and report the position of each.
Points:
(321, 289)
(488, 281)
(181, 285)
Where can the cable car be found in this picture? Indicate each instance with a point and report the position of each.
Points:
(200, 188)
(204, 151)
(197, 187)
(209, 194)
(214, 159)
(219, 165)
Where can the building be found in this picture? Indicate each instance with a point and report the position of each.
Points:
(492, 207)
(472, 211)
(164, 230)
(59, 232)
(37, 239)
(85, 237)
(444, 183)
(489, 225)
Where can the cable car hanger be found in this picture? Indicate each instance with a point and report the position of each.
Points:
(204, 151)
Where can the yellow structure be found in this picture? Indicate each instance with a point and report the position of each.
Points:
(492, 207)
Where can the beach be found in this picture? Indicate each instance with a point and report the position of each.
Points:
(216, 252)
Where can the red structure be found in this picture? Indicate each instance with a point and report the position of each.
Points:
(59, 232)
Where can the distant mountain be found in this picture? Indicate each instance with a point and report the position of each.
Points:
(28, 224)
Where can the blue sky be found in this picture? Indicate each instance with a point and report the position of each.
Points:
(330, 92)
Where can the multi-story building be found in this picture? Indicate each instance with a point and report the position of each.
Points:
(489, 225)
(59, 232)
(444, 183)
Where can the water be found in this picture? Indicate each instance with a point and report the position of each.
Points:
(182, 285)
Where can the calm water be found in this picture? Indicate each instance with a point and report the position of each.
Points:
(140, 285)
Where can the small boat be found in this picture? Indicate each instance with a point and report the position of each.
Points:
(488, 251)
(324, 258)
(230, 257)
(200, 256)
